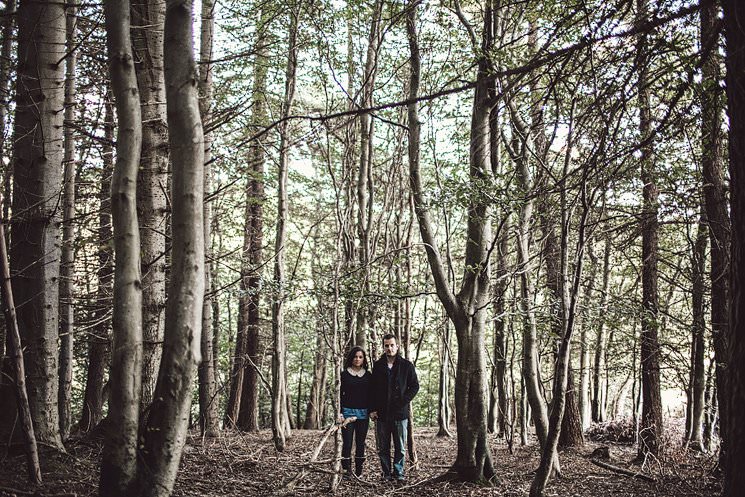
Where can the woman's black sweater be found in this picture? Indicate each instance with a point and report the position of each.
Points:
(354, 390)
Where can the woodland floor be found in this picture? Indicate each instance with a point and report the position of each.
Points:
(247, 465)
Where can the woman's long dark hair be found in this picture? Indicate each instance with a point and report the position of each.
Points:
(352, 353)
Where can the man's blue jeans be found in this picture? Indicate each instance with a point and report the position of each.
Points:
(385, 430)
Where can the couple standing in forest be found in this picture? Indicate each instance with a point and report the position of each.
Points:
(382, 396)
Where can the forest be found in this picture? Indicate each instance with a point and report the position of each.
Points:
(206, 205)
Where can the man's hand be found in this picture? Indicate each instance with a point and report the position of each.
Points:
(340, 419)
(374, 415)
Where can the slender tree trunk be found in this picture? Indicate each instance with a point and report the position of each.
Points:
(569, 283)
(35, 249)
(19, 371)
(571, 428)
(313, 413)
(165, 432)
(209, 421)
(498, 405)
(364, 186)
(598, 404)
(443, 405)
(715, 200)
(710, 398)
(152, 182)
(734, 398)
(530, 337)
(698, 370)
(99, 338)
(68, 233)
(279, 367)
(243, 402)
(119, 463)
(651, 428)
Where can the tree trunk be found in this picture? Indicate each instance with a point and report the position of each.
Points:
(279, 352)
(19, 371)
(598, 402)
(316, 398)
(119, 462)
(35, 249)
(165, 433)
(698, 327)
(209, 422)
(68, 233)
(152, 182)
(530, 338)
(734, 26)
(715, 200)
(99, 338)
(571, 428)
(651, 428)
(467, 308)
(710, 398)
(569, 289)
(364, 173)
(243, 403)
(498, 419)
(443, 405)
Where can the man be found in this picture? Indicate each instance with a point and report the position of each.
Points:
(392, 387)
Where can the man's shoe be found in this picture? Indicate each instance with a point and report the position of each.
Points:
(387, 477)
(399, 478)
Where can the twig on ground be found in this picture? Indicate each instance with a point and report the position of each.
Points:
(623, 471)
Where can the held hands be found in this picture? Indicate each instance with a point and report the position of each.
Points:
(340, 418)
(374, 416)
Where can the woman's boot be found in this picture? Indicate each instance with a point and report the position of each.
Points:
(358, 463)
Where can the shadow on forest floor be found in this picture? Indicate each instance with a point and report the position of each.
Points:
(246, 464)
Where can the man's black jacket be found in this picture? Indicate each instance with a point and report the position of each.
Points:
(391, 402)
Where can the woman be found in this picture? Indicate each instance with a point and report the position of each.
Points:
(355, 381)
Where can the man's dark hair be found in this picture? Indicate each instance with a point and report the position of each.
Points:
(389, 336)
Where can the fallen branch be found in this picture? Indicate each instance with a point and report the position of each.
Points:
(292, 482)
(622, 471)
(15, 492)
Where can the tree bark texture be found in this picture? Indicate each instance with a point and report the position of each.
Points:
(651, 428)
(119, 463)
(68, 233)
(715, 201)
(734, 28)
(35, 250)
(209, 420)
(152, 182)
(165, 432)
